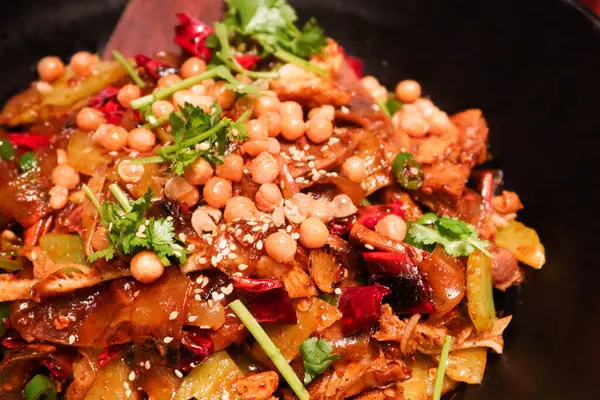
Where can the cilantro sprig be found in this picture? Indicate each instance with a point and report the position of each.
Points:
(198, 134)
(457, 237)
(129, 231)
(271, 25)
(317, 356)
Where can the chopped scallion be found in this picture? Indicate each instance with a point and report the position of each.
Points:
(7, 150)
(121, 197)
(441, 369)
(129, 69)
(28, 161)
(270, 349)
(292, 59)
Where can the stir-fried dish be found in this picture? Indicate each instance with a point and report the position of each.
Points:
(250, 219)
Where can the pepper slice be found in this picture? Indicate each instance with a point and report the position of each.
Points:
(40, 387)
(28, 161)
(407, 171)
(7, 149)
(480, 299)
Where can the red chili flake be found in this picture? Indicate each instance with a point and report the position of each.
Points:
(361, 306)
(28, 140)
(60, 369)
(106, 101)
(155, 68)
(342, 226)
(199, 345)
(248, 61)
(109, 353)
(191, 35)
(267, 300)
(410, 291)
(13, 340)
(369, 216)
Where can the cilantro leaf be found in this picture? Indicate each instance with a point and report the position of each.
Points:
(317, 356)
(131, 232)
(200, 134)
(457, 237)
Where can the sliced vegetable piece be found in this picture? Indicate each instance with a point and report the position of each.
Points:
(441, 370)
(467, 365)
(523, 242)
(420, 385)
(63, 248)
(112, 381)
(407, 171)
(40, 387)
(84, 155)
(10, 264)
(211, 380)
(273, 352)
(480, 299)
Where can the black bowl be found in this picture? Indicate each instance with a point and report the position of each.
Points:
(532, 66)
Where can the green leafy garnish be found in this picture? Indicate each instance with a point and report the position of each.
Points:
(392, 104)
(457, 237)
(271, 25)
(441, 369)
(317, 356)
(129, 231)
(198, 134)
(270, 349)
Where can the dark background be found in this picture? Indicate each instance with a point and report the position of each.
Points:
(531, 65)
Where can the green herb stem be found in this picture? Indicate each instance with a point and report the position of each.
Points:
(93, 199)
(292, 59)
(148, 160)
(121, 197)
(226, 55)
(270, 349)
(129, 69)
(195, 139)
(157, 122)
(164, 93)
(441, 370)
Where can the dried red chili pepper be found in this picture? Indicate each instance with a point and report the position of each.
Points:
(361, 306)
(267, 300)
(28, 140)
(106, 101)
(191, 35)
(248, 61)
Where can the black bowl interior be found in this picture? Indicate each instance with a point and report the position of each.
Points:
(532, 66)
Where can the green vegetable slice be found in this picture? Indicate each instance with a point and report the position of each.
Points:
(40, 387)
(407, 171)
(480, 299)
(28, 161)
(7, 150)
(129, 69)
(441, 369)
(11, 265)
(270, 349)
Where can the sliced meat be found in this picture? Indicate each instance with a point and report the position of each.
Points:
(505, 268)
(356, 377)
(325, 268)
(257, 387)
(473, 136)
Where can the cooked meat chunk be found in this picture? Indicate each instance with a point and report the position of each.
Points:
(257, 387)
(505, 268)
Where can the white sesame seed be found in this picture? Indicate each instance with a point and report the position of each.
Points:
(132, 375)
(232, 256)
(126, 385)
(237, 274)
(147, 365)
(192, 318)
(197, 297)
(181, 236)
(370, 247)
(128, 393)
(168, 339)
(259, 245)
(169, 218)
(72, 339)
(178, 374)
(204, 326)
(242, 267)
(217, 296)
(338, 291)
(173, 315)
(113, 153)
(204, 281)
